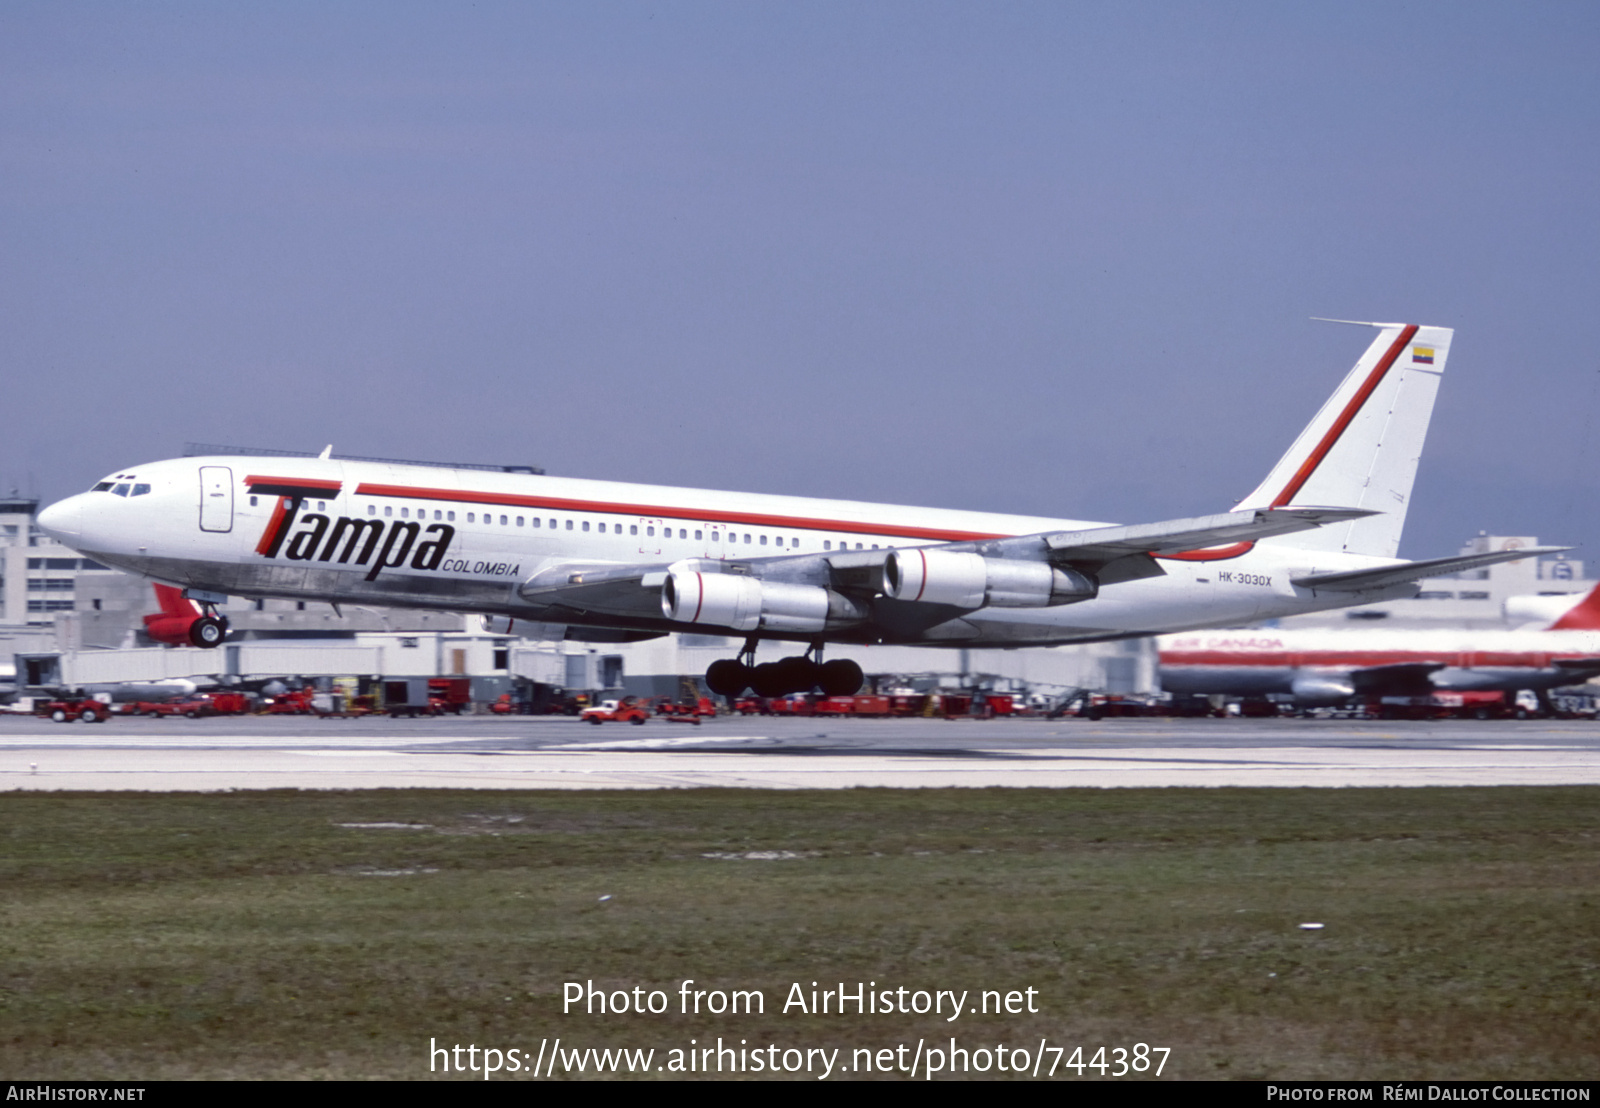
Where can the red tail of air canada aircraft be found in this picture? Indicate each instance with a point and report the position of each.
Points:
(605, 561)
(182, 622)
(1326, 667)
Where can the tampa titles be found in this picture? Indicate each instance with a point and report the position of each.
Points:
(380, 543)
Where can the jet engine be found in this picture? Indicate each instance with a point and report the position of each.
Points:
(973, 581)
(746, 603)
(1312, 689)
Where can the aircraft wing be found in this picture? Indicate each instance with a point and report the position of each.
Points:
(1100, 545)
(1403, 572)
(1399, 679)
(612, 588)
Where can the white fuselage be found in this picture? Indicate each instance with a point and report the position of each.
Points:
(466, 539)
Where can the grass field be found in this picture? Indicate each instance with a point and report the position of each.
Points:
(258, 935)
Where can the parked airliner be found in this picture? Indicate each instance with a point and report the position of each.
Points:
(610, 562)
(1328, 667)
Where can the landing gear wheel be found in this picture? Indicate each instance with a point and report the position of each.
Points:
(207, 632)
(726, 677)
(768, 680)
(797, 674)
(840, 677)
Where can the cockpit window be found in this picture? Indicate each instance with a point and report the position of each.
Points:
(120, 490)
(103, 486)
(140, 490)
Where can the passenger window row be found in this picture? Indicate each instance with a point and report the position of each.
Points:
(507, 520)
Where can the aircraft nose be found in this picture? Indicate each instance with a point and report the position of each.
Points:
(63, 520)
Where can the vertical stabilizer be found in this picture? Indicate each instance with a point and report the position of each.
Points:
(1582, 616)
(1362, 449)
(172, 601)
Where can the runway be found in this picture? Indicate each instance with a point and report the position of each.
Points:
(489, 752)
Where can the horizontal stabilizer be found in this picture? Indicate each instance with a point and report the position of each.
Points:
(1100, 545)
(1385, 576)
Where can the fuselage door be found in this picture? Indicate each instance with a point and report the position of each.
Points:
(216, 498)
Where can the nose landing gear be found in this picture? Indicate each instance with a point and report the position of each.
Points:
(210, 629)
(796, 674)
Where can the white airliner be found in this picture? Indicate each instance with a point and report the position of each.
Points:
(610, 562)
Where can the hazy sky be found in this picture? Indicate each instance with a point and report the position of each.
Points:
(1053, 258)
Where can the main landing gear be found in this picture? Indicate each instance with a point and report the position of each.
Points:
(731, 676)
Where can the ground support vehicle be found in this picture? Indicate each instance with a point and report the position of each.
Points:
(73, 708)
(297, 703)
(1463, 705)
(194, 706)
(626, 710)
(451, 695)
(670, 709)
(155, 709)
(863, 705)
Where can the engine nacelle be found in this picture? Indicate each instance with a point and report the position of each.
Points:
(746, 604)
(1314, 689)
(973, 581)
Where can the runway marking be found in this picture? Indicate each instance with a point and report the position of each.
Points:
(223, 742)
(656, 744)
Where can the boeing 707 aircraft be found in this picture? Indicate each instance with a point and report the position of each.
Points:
(611, 562)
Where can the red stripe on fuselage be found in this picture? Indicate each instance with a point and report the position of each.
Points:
(658, 511)
(1362, 659)
(306, 484)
